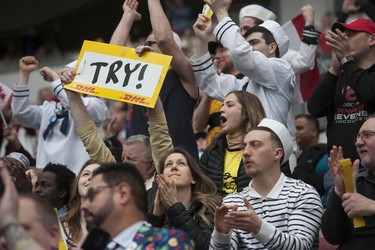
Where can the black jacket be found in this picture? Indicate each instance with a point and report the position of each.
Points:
(212, 164)
(337, 228)
(305, 169)
(346, 101)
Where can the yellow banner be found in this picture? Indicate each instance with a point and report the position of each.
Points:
(118, 73)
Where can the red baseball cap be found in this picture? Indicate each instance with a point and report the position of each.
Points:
(362, 25)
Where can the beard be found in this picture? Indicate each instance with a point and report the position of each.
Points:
(97, 219)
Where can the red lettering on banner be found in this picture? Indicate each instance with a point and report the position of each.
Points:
(134, 98)
(86, 89)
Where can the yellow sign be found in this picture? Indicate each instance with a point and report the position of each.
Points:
(118, 73)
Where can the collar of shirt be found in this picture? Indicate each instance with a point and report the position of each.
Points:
(125, 237)
(149, 182)
(274, 193)
(367, 175)
(62, 212)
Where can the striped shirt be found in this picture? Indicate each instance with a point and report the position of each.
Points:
(291, 215)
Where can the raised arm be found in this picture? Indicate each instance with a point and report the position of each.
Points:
(28, 115)
(304, 59)
(160, 139)
(164, 38)
(85, 127)
(201, 113)
(209, 81)
(121, 34)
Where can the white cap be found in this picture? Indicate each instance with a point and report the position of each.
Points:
(257, 11)
(279, 35)
(283, 133)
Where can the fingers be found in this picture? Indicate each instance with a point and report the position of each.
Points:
(163, 182)
(201, 22)
(28, 60)
(48, 74)
(247, 203)
(67, 75)
(142, 49)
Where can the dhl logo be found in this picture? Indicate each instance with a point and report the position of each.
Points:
(86, 89)
(134, 98)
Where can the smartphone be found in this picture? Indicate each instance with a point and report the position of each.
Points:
(97, 239)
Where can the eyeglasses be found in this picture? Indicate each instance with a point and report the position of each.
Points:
(92, 192)
(365, 135)
(150, 43)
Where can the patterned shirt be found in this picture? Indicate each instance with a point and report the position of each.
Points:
(150, 238)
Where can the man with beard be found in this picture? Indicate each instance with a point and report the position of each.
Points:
(342, 207)
(117, 203)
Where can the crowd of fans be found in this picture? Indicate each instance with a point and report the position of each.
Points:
(221, 162)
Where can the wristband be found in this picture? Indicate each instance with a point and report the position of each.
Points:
(346, 59)
(8, 225)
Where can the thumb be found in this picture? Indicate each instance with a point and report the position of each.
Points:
(355, 168)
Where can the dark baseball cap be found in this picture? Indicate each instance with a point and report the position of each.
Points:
(212, 46)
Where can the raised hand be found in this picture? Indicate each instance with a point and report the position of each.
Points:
(130, 8)
(28, 64)
(168, 191)
(159, 208)
(335, 156)
(307, 12)
(247, 220)
(67, 75)
(48, 74)
(220, 212)
(202, 27)
(338, 41)
(142, 49)
(219, 7)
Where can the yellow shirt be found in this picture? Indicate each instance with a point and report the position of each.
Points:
(231, 166)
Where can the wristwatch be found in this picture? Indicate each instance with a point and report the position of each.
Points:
(346, 59)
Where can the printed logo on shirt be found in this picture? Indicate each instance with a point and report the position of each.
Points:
(229, 183)
(351, 111)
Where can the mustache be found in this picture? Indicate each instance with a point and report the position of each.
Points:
(87, 213)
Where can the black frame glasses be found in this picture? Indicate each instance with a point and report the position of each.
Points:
(364, 135)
